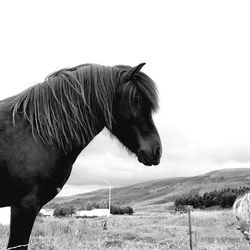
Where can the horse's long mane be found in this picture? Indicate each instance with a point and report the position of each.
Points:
(68, 106)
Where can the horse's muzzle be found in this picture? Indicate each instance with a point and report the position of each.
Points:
(152, 157)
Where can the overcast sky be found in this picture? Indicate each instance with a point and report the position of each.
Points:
(197, 52)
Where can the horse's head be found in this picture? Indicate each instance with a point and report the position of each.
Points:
(136, 99)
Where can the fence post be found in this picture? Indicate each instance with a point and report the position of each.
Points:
(195, 239)
(190, 228)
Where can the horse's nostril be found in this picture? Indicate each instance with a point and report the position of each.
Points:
(157, 151)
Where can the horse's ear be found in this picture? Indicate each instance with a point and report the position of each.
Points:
(131, 73)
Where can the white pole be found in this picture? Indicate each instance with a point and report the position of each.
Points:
(190, 229)
(109, 194)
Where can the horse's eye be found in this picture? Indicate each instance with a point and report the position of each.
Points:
(137, 109)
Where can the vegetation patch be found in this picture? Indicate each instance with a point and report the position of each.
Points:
(224, 198)
(147, 239)
(113, 243)
(129, 236)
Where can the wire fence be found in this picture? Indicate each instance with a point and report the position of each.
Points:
(48, 232)
(15, 247)
(172, 231)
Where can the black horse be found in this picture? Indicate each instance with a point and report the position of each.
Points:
(44, 128)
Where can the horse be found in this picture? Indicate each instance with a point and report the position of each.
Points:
(241, 209)
(44, 128)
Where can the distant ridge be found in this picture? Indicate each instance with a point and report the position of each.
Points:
(162, 191)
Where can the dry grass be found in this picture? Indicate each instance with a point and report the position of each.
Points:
(215, 230)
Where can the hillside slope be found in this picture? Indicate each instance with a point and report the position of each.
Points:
(162, 191)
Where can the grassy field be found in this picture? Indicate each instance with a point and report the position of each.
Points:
(149, 230)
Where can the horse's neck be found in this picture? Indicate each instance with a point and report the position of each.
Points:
(73, 151)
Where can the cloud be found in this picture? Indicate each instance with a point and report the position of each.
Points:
(105, 158)
(94, 168)
(69, 189)
(226, 153)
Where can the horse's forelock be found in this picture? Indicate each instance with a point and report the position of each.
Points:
(141, 85)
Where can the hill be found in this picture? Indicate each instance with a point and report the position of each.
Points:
(162, 191)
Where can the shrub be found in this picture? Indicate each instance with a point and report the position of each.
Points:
(64, 211)
(121, 210)
(224, 198)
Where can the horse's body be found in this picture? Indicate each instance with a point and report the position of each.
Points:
(43, 130)
(241, 210)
